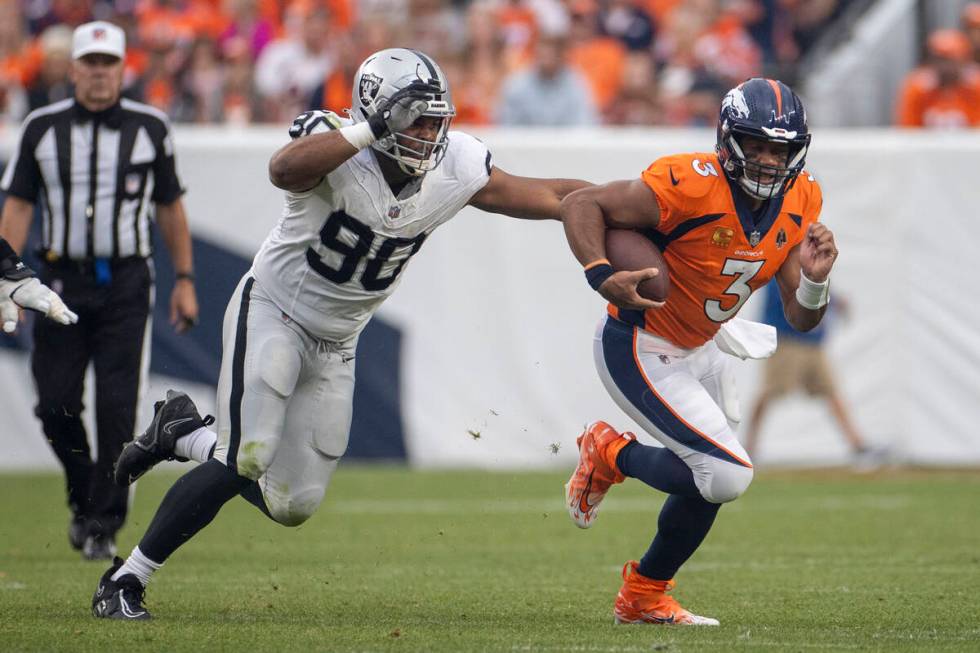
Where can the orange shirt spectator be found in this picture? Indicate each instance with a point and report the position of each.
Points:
(727, 50)
(945, 93)
(925, 102)
(599, 59)
(517, 26)
(660, 9)
(341, 11)
(971, 27)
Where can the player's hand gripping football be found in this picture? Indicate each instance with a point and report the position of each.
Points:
(818, 252)
(621, 289)
(34, 295)
(401, 109)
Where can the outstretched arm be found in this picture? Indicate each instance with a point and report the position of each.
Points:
(587, 213)
(524, 197)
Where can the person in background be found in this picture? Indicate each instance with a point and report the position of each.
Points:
(945, 92)
(289, 69)
(970, 22)
(800, 363)
(96, 164)
(549, 93)
(52, 83)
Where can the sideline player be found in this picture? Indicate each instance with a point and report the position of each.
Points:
(362, 196)
(726, 223)
(19, 288)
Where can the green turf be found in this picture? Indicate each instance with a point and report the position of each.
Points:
(463, 561)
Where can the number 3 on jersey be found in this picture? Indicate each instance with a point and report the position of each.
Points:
(743, 271)
(363, 237)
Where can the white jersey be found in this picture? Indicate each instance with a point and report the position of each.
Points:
(340, 248)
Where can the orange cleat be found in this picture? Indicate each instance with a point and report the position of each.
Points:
(596, 471)
(642, 600)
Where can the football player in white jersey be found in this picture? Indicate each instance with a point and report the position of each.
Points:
(362, 195)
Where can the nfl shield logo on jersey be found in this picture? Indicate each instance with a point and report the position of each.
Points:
(754, 238)
(394, 212)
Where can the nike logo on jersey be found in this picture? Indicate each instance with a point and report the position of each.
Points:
(673, 179)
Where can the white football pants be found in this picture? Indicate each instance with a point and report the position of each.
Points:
(284, 404)
(685, 398)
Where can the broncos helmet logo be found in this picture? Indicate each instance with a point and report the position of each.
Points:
(736, 103)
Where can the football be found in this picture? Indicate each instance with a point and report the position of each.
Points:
(630, 250)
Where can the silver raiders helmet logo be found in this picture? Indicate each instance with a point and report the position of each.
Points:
(368, 87)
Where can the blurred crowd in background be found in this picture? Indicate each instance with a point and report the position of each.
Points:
(555, 62)
(510, 62)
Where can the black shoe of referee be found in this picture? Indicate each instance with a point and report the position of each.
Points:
(172, 419)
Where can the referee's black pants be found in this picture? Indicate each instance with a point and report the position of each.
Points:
(112, 325)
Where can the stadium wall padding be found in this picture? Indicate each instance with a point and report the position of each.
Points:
(482, 358)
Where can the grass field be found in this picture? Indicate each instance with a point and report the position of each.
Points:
(463, 561)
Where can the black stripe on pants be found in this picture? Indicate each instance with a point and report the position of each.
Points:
(238, 378)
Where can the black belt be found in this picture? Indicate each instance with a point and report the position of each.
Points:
(99, 269)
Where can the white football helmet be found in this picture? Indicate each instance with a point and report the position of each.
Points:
(382, 75)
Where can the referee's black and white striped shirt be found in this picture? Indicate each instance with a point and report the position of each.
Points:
(95, 176)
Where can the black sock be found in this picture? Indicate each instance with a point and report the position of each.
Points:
(190, 505)
(253, 494)
(658, 467)
(682, 526)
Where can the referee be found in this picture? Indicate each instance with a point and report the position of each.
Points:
(94, 164)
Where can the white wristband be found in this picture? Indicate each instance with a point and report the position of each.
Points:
(358, 135)
(811, 294)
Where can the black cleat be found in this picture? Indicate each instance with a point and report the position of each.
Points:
(99, 547)
(172, 419)
(77, 530)
(119, 599)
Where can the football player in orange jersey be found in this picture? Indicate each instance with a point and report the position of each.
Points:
(726, 222)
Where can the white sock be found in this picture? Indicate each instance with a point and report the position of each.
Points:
(138, 565)
(197, 445)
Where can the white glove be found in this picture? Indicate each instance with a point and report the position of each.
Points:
(31, 293)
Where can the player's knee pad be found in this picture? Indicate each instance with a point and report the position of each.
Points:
(292, 509)
(727, 482)
(278, 367)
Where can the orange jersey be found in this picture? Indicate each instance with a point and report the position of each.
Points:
(717, 252)
(922, 102)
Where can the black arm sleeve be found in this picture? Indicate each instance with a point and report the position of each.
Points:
(166, 183)
(11, 267)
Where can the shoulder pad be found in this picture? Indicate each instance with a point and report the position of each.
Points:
(688, 175)
(314, 122)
